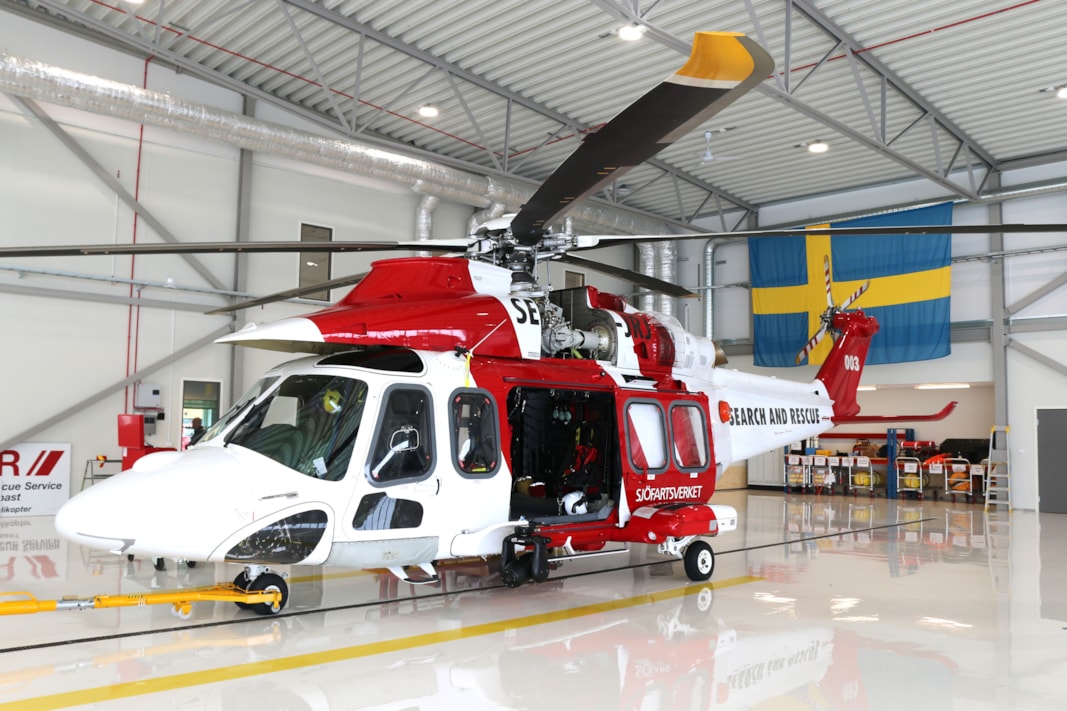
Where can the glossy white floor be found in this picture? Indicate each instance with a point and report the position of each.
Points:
(816, 602)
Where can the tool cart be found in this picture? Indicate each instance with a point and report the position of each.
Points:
(862, 476)
(958, 481)
(910, 477)
(822, 474)
(797, 472)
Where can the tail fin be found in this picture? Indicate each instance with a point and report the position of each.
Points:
(841, 370)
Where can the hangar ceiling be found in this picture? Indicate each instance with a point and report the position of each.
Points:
(951, 93)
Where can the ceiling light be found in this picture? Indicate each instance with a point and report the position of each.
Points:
(631, 32)
(818, 147)
(866, 388)
(943, 386)
(428, 111)
(1060, 90)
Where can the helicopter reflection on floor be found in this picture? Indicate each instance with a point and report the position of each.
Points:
(824, 603)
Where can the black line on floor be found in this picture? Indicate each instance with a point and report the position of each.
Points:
(418, 598)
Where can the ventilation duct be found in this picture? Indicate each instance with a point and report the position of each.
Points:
(667, 270)
(646, 264)
(34, 80)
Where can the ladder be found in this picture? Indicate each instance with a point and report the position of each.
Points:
(998, 469)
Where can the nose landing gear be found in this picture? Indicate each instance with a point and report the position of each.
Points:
(259, 578)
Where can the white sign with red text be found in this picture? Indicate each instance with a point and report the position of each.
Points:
(34, 479)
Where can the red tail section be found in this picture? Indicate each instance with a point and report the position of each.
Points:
(841, 370)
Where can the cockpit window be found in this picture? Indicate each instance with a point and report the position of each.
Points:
(309, 423)
(258, 388)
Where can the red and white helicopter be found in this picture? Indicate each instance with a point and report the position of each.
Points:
(455, 408)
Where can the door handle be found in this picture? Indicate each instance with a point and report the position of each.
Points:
(430, 486)
(286, 495)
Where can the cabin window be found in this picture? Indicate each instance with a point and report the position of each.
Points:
(309, 423)
(287, 541)
(689, 436)
(646, 435)
(475, 437)
(378, 512)
(403, 447)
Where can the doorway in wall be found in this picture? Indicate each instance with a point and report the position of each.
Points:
(200, 401)
(1051, 453)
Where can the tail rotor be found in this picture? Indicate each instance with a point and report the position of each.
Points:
(827, 318)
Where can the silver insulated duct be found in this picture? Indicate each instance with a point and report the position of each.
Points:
(667, 270)
(34, 80)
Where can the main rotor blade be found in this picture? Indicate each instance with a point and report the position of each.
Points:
(643, 280)
(802, 231)
(290, 293)
(443, 245)
(721, 69)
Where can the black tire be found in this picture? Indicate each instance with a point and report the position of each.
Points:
(699, 561)
(242, 582)
(270, 581)
(159, 564)
(190, 563)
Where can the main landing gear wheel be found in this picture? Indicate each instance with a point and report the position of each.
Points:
(269, 582)
(699, 561)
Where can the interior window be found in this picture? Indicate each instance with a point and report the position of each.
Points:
(688, 435)
(309, 423)
(403, 448)
(474, 433)
(646, 435)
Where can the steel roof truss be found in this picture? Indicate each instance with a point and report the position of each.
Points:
(493, 154)
(324, 86)
(829, 27)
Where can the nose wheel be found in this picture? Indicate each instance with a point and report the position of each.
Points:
(259, 579)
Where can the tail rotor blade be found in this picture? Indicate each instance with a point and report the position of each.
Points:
(810, 346)
(856, 294)
(826, 280)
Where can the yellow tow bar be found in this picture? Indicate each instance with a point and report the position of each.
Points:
(24, 603)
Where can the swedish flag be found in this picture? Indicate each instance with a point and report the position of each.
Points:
(907, 280)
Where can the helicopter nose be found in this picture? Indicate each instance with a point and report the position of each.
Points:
(91, 518)
(173, 504)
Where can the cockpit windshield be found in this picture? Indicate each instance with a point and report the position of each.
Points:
(309, 423)
(258, 388)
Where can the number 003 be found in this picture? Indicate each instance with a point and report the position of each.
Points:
(852, 362)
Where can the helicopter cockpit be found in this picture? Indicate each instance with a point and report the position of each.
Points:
(308, 422)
